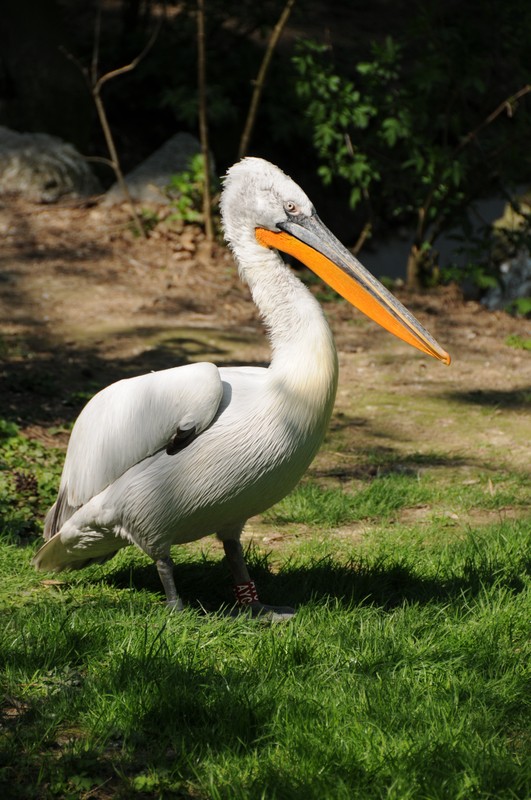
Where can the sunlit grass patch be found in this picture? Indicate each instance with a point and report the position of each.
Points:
(404, 674)
(312, 504)
(518, 342)
(384, 496)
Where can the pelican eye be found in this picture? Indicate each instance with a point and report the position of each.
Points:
(291, 207)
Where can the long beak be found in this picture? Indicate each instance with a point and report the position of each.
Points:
(308, 240)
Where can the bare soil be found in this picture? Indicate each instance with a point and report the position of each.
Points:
(84, 302)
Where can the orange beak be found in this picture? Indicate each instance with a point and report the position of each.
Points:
(308, 240)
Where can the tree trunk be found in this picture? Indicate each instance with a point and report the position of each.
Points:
(413, 268)
(203, 122)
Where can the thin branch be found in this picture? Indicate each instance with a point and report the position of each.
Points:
(78, 64)
(100, 160)
(134, 63)
(366, 233)
(260, 78)
(95, 49)
(115, 161)
(95, 85)
(436, 225)
(203, 123)
(507, 105)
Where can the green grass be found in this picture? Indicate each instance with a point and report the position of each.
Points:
(384, 496)
(312, 504)
(29, 477)
(404, 674)
(518, 342)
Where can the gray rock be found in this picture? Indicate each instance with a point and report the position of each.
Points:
(514, 271)
(43, 168)
(148, 182)
(514, 282)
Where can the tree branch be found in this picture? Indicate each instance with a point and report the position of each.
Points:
(203, 122)
(128, 67)
(422, 213)
(95, 85)
(507, 105)
(260, 78)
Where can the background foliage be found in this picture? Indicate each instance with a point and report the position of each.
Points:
(388, 106)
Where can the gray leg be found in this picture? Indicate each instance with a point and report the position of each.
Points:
(245, 588)
(234, 554)
(165, 570)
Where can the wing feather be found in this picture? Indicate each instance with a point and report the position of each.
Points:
(129, 421)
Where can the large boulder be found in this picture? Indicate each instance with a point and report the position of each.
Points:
(43, 168)
(148, 182)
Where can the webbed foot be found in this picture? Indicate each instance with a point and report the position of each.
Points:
(266, 613)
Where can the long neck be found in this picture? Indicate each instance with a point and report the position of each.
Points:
(304, 360)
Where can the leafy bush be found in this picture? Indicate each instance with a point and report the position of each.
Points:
(29, 477)
(186, 191)
(426, 124)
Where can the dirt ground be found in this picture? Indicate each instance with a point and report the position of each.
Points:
(84, 302)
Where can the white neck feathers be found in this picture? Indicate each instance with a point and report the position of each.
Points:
(304, 360)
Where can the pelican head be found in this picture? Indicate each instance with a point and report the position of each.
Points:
(258, 194)
(263, 207)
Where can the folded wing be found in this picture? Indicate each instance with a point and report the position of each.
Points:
(129, 421)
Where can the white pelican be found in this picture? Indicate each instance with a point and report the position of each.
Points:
(179, 454)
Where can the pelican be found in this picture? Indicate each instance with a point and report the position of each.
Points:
(176, 455)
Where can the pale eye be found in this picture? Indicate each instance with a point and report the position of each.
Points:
(291, 207)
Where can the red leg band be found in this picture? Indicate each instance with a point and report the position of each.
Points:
(246, 593)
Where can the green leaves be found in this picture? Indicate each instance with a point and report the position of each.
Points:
(186, 192)
(411, 129)
(393, 129)
(348, 119)
(29, 476)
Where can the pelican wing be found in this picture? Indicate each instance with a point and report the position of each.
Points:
(129, 421)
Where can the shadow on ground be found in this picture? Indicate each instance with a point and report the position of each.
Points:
(46, 385)
(495, 398)
(205, 584)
